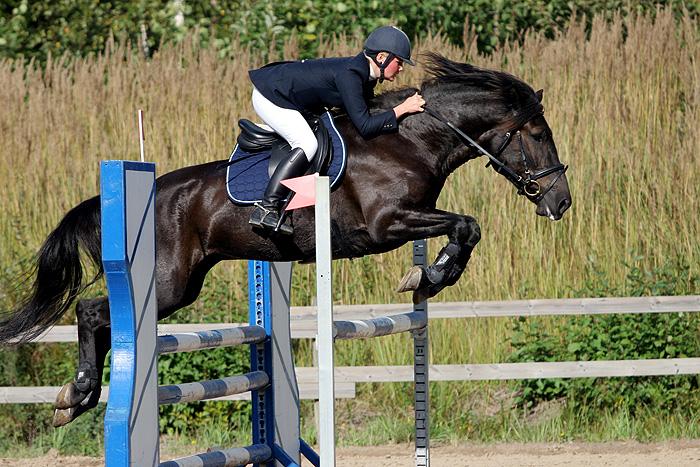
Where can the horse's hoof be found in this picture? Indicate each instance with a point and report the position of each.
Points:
(62, 417)
(69, 397)
(421, 295)
(412, 279)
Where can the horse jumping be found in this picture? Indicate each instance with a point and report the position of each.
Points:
(386, 199)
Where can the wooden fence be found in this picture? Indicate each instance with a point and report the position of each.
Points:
(303, 325)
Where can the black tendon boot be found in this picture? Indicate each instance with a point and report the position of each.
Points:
(267, 214)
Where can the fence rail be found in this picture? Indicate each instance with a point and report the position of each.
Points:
(303, 325)
(303, 319)
(308, 390)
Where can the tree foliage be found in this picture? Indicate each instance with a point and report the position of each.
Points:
(35, 29)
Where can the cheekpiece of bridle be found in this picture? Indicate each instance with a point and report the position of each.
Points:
(527, 185)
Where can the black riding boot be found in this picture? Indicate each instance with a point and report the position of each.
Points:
(267, 215)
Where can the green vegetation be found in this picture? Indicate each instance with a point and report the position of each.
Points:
(615, 337)
(623, 100)
(39, 29)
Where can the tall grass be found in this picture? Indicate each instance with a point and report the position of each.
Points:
(623, 102)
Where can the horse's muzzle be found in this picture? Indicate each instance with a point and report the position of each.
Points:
(554, 205)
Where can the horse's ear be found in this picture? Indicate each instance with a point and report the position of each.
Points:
(538, 94)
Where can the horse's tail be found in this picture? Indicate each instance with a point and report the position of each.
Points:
(58, 274)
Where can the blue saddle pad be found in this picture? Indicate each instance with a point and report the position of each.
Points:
(247, 175)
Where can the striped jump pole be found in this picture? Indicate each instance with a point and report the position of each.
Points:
(227, 457)
(203, 340)
(203, 390)
(376, 327)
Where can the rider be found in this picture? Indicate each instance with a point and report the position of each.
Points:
(285, 92)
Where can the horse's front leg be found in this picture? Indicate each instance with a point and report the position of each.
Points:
(463, 233)
(83, 393)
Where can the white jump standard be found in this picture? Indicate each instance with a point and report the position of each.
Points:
(328, 331)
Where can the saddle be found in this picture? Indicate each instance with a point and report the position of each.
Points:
(259, 150)
(254, 138)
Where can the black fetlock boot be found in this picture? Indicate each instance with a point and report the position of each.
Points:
(268, 213)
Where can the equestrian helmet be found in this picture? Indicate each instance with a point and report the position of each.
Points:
(389, 39)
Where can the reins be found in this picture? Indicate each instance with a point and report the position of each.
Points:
(529, 186)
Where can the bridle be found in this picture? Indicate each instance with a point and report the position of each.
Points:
(527, 185)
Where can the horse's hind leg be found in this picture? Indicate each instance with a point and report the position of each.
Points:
(94, 342)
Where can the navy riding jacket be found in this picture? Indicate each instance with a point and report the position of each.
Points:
(312, 86)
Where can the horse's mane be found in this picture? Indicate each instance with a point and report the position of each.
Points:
(515, 95)
(518, 100)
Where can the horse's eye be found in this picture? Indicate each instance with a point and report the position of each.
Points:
(539, 137)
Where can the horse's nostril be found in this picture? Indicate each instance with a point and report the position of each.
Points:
(564, 205)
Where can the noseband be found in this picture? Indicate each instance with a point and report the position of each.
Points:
(527, 185)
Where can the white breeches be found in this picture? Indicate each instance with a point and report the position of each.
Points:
(288, 123)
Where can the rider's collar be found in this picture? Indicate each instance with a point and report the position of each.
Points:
(372, 75)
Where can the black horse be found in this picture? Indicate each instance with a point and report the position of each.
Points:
(387, 198)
